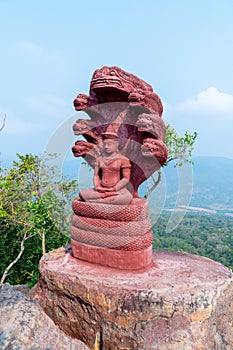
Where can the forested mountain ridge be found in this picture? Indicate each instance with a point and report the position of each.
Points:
(212, 184)
(201, 234)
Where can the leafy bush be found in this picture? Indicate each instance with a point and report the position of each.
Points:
(33, 217)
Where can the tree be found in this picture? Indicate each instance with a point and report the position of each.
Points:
(32, 216)
(179, 151)
(179, 147)
(198, 233)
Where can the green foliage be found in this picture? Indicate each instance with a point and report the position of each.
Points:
(31, 211)
(179, 151)
(179, 147)
(206, 235)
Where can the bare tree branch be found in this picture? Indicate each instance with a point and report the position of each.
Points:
(22, 247)
(3, 123)
(25, 224)
(155, 184)
(43, 242)
(26, 236)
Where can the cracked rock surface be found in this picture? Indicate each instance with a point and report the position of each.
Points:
(182, 302)
(25, 326)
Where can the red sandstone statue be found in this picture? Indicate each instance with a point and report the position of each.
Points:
(121, 99)
(111, 175)
(125, 146)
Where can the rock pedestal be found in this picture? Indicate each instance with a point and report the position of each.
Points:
(182, 301)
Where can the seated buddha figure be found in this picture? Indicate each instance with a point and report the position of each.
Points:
(111, 175)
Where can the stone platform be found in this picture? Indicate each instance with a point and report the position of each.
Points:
(182, 301)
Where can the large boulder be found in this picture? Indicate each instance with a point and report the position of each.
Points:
(25, 326)
(181, 302)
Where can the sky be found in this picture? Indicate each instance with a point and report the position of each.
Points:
(49, 50)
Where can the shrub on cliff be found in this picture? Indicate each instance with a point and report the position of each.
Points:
(33, 218)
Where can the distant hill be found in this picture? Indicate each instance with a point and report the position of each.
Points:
(212, 183)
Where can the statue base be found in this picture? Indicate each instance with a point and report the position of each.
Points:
(182, 301)
(117, 236)
(119, 259)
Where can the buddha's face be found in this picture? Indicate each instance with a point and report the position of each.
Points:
(110, 146)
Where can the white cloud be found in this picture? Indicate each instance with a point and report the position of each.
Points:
(211, 115)
(209, 101)
(39, 52)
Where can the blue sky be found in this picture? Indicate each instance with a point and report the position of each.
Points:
(49, 50)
